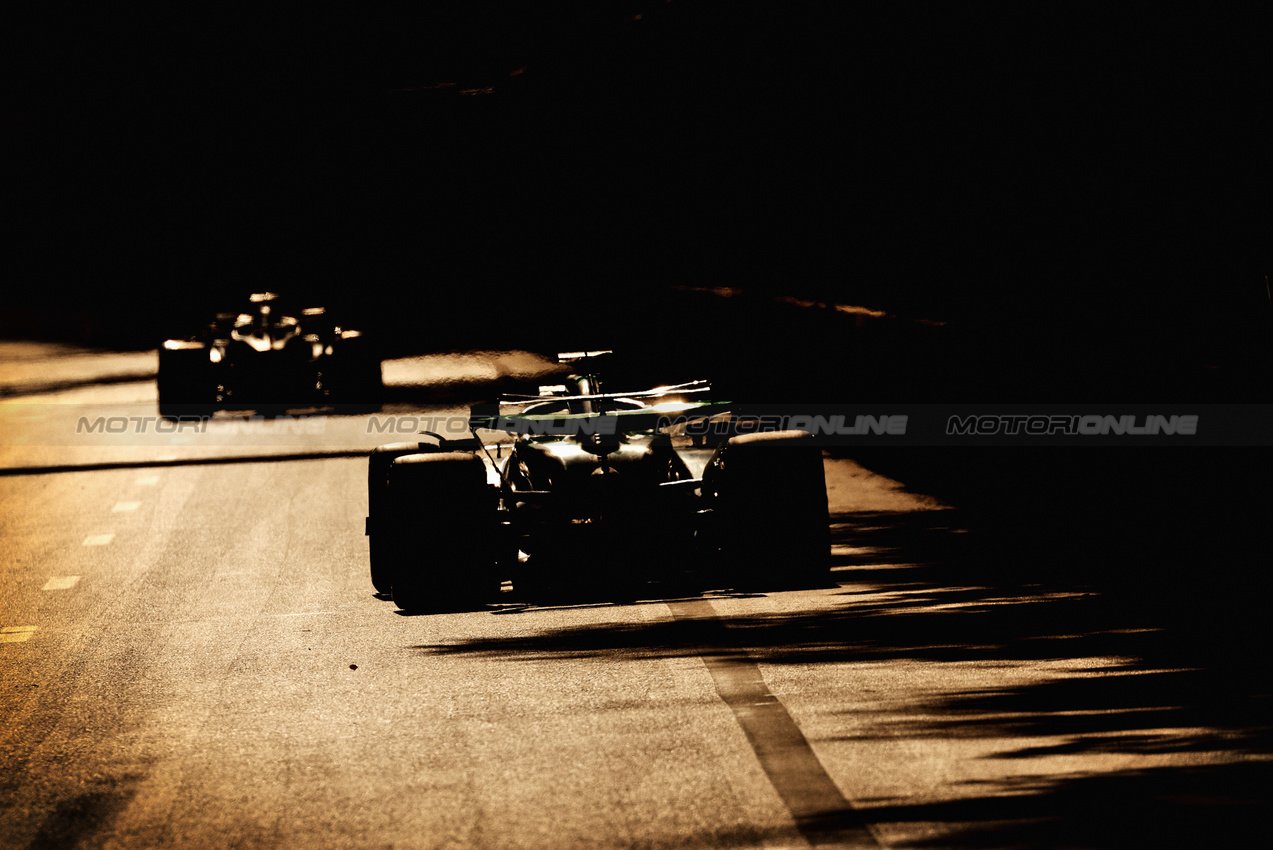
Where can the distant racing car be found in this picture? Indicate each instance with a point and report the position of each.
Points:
(600, 491)
(266, 356)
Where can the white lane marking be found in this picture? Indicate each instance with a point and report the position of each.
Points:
(61, 583)
(147, 480)
(98, 539)
(16, 634)
(120, 507)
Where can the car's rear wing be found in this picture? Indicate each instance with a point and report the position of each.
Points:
(591, 424)
(575, 356)
(688, 388)
(510, 413)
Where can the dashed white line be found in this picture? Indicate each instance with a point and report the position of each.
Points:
(98, 539)
(147, 480)
(61, 583)
(121, 507)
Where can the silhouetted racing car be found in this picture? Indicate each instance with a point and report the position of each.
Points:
(597, 492)
(266, 357)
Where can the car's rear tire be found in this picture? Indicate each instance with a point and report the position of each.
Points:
(446, 534)
(352, 377)
(769, 520)
(383, 527)
(184, 382)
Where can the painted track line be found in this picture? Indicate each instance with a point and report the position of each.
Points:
(17, 634)
(821, 812)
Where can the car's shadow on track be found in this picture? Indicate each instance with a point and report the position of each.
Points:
(512, 602)
(1172, 711)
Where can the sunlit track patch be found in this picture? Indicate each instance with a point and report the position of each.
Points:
(98, 539)
(16, 634)
(172, 461)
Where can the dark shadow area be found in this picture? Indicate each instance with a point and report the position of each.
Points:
(584, 595)
(988, 623)
(927, 586)
(1194, 806)
(1175, 531)
(85, 815)
(1070, 191)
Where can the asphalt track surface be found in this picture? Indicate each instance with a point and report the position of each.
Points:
(192, 655)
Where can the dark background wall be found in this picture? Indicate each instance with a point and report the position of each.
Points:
(1084, 185)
